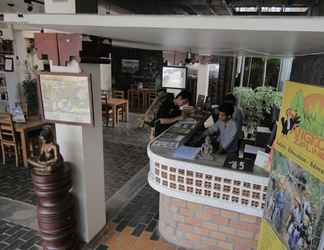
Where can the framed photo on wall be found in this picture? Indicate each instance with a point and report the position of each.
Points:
(66, 98)
(130, 66)
(8, 64)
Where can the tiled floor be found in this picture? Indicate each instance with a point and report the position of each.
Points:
(13, 236)
(124, 152)
(16, 183)
(136, 227)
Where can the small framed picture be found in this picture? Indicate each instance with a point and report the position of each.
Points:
(9, 64)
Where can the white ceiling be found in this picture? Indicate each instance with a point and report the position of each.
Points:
(260, 36)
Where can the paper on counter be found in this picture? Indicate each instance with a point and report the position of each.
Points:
(263, 130)
(262, 159)
(209, 122)
(250, 149)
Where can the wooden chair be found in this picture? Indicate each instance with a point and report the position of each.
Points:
(107, 113)
(8, 137)
(134, 98)
(120, 94)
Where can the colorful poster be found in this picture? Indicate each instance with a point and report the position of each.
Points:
(294, 208)
(300, 134)
(269, 239)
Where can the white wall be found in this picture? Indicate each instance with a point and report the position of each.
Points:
(100, 74)
(203, 80)
(60, 7)
(105, 72)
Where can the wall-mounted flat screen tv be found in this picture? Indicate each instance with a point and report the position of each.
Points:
(174, 77)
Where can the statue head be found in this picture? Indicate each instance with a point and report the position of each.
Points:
(46, 135)
(207, 140)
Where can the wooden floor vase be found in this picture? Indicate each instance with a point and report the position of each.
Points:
(55, 210)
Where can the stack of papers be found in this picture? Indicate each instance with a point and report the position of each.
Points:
(185, 152)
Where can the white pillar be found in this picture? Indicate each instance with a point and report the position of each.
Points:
(60, 7)
(242, 71)
(202, 80)
(264, 71)
(82, 147)
(285, 70)
(250, 68)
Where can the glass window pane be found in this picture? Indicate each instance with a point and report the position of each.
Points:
(273, 68)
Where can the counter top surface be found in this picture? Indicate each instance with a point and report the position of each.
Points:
(217, 162)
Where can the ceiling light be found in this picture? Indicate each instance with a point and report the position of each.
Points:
(246, 9)
(296, 9)
(271, 9)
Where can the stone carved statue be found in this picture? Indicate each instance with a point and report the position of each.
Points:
(49, 159)
(206, 150)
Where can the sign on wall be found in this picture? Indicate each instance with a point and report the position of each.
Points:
(66, 98)
(295, 207)
(294, 213)
(300, 134)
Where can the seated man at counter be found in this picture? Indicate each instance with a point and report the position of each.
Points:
(170, 111)
(225, 129)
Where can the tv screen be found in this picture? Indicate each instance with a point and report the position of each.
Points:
(174, 77)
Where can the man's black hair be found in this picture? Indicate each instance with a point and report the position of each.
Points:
(228, 109)
(184, 94)
(231, 99)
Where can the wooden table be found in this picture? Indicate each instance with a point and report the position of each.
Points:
(33, 123)
(114, 103)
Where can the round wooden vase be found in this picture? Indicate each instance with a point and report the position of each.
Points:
(55, 209)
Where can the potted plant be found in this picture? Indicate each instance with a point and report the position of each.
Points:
(256, 103)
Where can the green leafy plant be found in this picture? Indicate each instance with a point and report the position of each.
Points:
(256, 103)
(30, 93)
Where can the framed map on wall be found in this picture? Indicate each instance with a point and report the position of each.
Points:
(66, 98)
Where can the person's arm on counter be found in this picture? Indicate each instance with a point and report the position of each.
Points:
(212, 130)
(170, 120)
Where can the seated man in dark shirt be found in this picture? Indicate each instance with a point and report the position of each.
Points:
(170, 111)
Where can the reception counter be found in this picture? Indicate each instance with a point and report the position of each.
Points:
(204, 205)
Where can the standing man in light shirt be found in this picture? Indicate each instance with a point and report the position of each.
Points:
(226, 130)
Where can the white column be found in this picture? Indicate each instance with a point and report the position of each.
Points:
(285, 70)
(21, 55)
(242, 71)
(82, 147)
(60, 7)
(13, 79)
(202, 80)
(264, 71)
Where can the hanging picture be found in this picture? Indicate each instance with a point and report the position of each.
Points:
(9, 64)
(300, 133)
(295, 207)
(130, 66)
(66, 98)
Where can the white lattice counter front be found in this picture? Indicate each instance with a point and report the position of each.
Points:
(203, 204)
